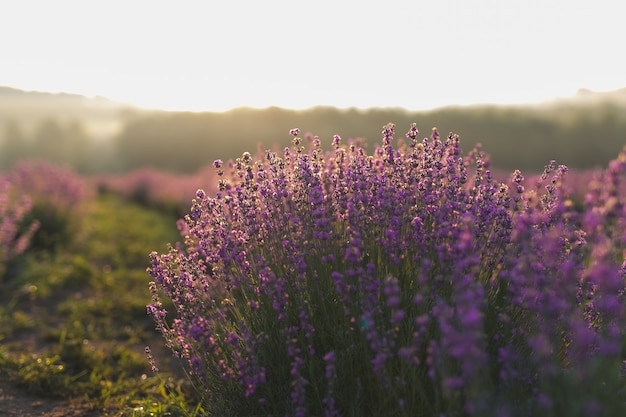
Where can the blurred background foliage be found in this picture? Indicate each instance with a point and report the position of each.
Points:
(94, 135)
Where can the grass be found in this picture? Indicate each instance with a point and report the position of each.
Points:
(73, 320)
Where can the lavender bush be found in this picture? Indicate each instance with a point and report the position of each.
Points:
(14, 238)
(56, 194)
(405, 282)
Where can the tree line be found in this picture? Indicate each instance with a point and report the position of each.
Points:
(523, 137)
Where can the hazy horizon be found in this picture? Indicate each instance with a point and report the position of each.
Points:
(580, 93)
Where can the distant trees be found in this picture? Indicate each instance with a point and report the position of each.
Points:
(66, 144)
(526, 138)
(173, 142)
(186, 142)
(14, 146)
(59, 143)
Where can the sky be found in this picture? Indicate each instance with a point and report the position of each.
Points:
(216, 55)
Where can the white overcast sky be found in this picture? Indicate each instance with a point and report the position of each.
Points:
(216, 55)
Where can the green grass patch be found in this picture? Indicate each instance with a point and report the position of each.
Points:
(73, 323)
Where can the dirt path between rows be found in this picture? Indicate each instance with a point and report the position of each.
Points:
(17, 403)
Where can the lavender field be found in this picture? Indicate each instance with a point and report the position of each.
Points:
(326, 279)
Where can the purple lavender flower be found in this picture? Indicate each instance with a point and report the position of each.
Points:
(13, 209)
(408, 281)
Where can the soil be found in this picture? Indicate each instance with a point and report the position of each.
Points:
(14, 402)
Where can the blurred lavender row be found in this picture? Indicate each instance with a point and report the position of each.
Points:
(40, 202)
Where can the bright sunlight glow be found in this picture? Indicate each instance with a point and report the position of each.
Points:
(216, 55)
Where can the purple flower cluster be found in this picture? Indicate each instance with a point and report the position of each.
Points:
(403, 282)
(13, 208)
(56, 194)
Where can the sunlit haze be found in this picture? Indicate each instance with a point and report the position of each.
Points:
(216, 55)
